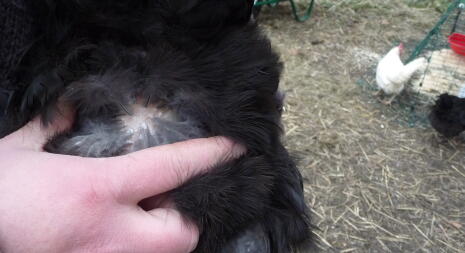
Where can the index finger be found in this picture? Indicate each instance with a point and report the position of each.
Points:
(153, 171)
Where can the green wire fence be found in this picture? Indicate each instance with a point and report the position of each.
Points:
(450, 22)
(295, 10)
(445, 71)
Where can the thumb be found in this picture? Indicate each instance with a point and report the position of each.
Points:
(162, 230)
(35, 134)
(170, 230)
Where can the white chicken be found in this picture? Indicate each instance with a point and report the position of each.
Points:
(392, 74)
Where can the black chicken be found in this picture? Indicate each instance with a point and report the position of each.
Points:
(448, 115)
(147, 73)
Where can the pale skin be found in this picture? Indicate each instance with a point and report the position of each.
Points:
(56, 203)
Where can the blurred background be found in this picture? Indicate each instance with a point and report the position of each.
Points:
(375, 182)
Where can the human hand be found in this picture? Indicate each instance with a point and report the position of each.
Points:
(58, 203)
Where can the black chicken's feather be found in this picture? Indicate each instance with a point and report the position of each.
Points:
(146, 73)
(448, 115)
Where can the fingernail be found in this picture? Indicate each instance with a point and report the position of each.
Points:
(234, 148)
(238, 149)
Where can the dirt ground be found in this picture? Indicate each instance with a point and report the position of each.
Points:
(374, 184)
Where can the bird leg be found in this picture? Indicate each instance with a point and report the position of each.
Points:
(377, 93)
(389, 101)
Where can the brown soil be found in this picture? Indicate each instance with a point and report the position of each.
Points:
(374, 184)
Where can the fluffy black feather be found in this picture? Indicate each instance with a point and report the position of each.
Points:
(4, 95)
(146, 73)
(448, 115)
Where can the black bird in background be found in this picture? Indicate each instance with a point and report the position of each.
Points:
(447, 116)
(147, 73)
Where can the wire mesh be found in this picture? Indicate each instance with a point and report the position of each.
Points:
(445, 72)
(446, 69)
(299, 15)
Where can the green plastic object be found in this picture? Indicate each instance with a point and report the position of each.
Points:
(295, 11)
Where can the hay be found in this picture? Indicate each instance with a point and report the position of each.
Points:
(374, 185)
(445, 74)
